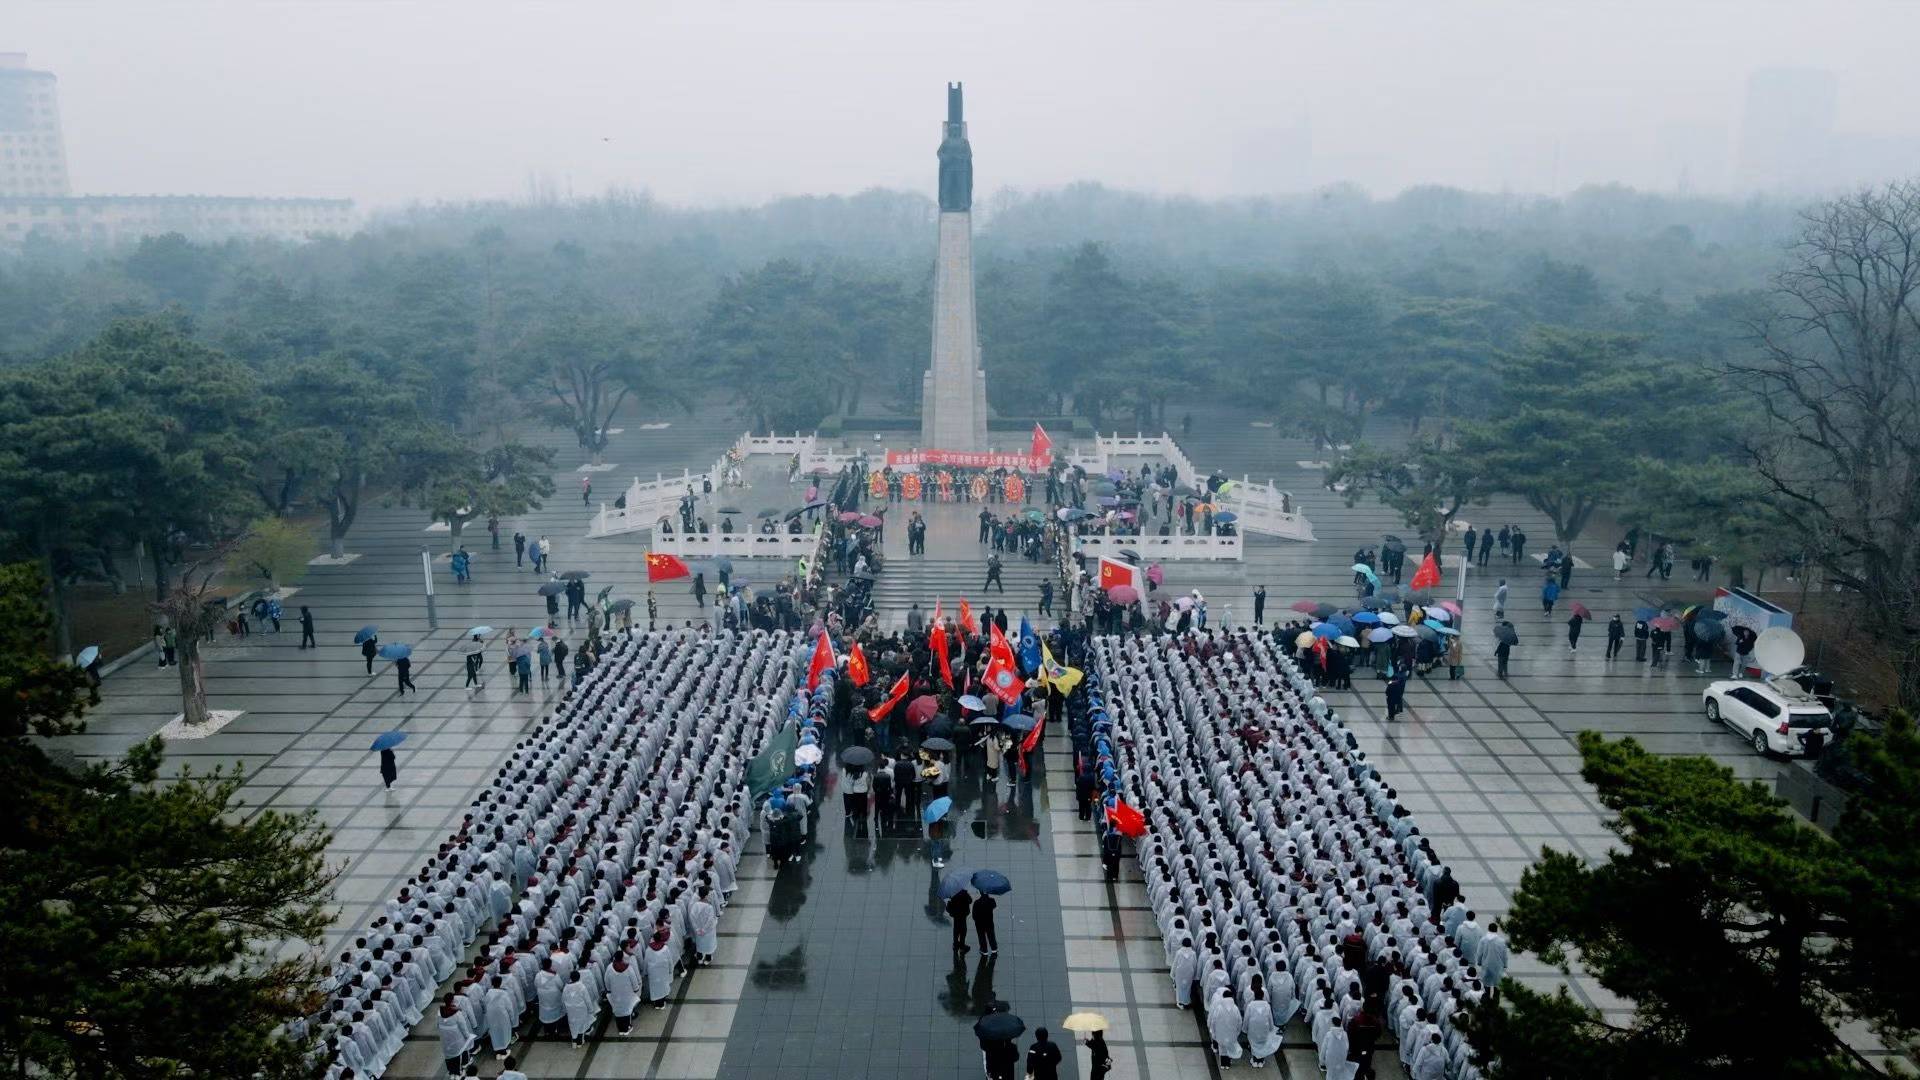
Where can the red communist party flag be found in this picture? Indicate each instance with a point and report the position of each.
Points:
(666, 567)
(899, 691)
(822, 659)
(1428, 576)
(857, 666)
(1042, 445)
(1114, 572)
(1126, 819)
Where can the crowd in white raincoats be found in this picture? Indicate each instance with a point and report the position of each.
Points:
(1283, 874)
(592, 871)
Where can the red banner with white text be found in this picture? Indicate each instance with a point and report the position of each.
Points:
(965, 459)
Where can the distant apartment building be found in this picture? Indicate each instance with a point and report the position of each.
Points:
(36, 196)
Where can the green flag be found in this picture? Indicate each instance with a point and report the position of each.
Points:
(775, 763)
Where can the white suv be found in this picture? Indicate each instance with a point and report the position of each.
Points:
(1779, 719)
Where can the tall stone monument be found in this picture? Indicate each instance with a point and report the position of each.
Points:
(953, 394)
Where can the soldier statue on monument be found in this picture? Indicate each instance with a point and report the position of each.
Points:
(956, 158)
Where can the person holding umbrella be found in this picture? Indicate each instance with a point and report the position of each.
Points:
(1506, 636)
(983, 909)
(403, 675)
(1574, 623)
(959, 906)
(369, 649)
(389, 767)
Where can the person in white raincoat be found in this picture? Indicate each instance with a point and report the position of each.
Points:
(1223, 1023)
(1333, 1051)
(1263, 1035)
(547, 988)
(502, 1015)
(1186, 965)
(659, 971)
(703, 922)
(623, 990)
(583, 1008)
(455, 1037)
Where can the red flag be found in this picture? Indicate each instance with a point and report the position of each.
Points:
(1125, 818)
(1114, 572)
(822, 659)
(857, 666)
(1032, 740)
(1042, 445)
(1428, 576)
(1003, 675)
(937, 641)
(899, 691)
(666, 567)
(966, 619)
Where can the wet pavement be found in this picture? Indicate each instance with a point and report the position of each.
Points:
(854, 974)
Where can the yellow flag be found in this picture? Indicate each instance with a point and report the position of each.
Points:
(1055, 676)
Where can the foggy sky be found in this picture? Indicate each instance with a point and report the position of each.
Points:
(725, 103)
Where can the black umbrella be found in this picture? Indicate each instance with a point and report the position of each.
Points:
(604, 593)
(621, 605)
(1000, 1025)
(1392, 541)
(856, 756)
(860, 575)
(1707, 630)
(552, 588)
(1505, 632)
(729, 510)
(1321, 611)
(1129, 554)
(1420, 596)
(940, 728)
(1184, 489)
(768, 511)
(982, 721)
(936, 744)
(574, 575)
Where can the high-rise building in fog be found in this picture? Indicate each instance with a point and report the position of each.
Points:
(1787, 131)
(37, 200)
(33, 156)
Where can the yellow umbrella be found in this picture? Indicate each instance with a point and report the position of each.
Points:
(1304, 641)
(1084, 1022)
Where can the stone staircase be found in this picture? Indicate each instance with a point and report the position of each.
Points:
(923, 580)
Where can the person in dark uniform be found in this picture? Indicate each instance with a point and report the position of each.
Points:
(389, 767)
(1043, 1058)
(1616, 637)
(983, 924)
(370, 648)
(306, 628)
(403, 676)
(958, 906)
(906, 786)
(1260, 605)
(1640, 633)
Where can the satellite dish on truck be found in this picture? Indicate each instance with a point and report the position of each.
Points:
(1778, 650)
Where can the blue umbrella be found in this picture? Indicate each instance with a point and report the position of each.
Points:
(1108, 500)
(479, 631)
(1366, 618)
(973, 703)
(1325, 630)
(396, 651)
(936, 809)
(1645, 614)
(1379, 634)
(1438, 629)
(390, 740)
(366, 632)
(955, 883)
(1226, 518)
(1019, 722)
(992, 881)
(1344, 622)
(1366, 571)
(87, 656)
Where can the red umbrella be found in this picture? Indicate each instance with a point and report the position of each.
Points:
(1665, 622)
(1452, 606)
(870, 522)
(1123, 594)
(847, 517)
(1306, 607)
(921, 709)
(1580, 609)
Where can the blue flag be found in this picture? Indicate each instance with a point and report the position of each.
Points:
(1029, 647)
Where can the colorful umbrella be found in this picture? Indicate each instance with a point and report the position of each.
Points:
(539, 632)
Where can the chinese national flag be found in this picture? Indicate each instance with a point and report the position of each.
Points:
(966, 619)
(899, 691)
(1126, 819)
(1428, 576)
(1042, 445)
(666, 567)
(1032, 740)
(857, 666)
(822, 659)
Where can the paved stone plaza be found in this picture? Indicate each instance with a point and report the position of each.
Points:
(839, 968)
